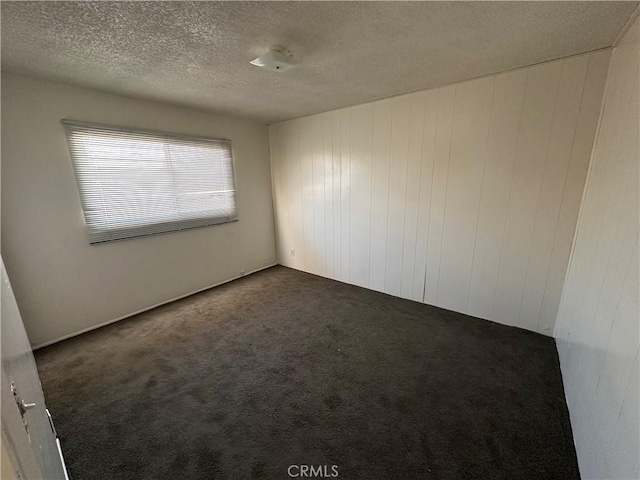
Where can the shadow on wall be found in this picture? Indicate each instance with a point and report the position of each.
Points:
(608, 395)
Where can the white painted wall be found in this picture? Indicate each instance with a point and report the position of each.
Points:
(597, 328)
(64, 285)
(465, 196)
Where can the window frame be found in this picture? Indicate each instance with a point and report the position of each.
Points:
(172, 226)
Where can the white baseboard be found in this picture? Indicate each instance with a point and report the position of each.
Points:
(103, 324)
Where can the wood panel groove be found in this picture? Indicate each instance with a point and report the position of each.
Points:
(425, 299)
(417, 233)
(424, 209)
(504, 131)
(412, 194)
(446, 105)
(484, 166)
(493, 303)
(572, 195)
(386, 234)
(371, 197)
(539, 195)
(558, 156)
(446, 189)
(564, 190)
(464, 196)
(397, 185)
(404, 215)
(597, 329)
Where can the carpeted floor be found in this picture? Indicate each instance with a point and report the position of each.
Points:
(285, 368)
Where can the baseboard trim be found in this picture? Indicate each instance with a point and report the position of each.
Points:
(146, 309)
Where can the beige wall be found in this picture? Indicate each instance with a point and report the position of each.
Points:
(465, 196)
(597, 329)
(64, 285)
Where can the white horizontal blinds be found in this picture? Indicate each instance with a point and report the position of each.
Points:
(134, 184)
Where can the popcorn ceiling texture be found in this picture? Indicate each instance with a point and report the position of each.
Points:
(197, 54)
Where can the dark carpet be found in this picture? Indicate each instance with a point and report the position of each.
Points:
(284, 368)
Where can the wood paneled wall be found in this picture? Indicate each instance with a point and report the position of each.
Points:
(598, 322)
(464, 197)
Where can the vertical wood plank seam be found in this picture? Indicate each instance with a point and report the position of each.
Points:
(554, 119)
(619, 295)
(406, 194)
(415, 248)
(338, 119)
(513, 170)
(446, 189)
(627, 387)
(299, 137)
(426, 252)
(350, 200)
(326, 222)
(386, 241)
(608, 206)
(313, 209)
(562, 198)
(484, 165)
(592, 158)
(350, 191)
(336, 197)
(373, 123)
(433, 167)
(629, 178)
(287, 247)
(324, 202)
(343, 158)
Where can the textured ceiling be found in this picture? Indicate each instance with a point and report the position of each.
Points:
(197, 53)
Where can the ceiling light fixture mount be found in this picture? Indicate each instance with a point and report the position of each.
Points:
(277, 59)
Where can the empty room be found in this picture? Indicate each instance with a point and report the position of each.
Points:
(348, 240)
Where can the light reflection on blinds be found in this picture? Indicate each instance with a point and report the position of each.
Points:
(134, 184)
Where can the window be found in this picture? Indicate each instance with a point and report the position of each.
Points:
(138, 183)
